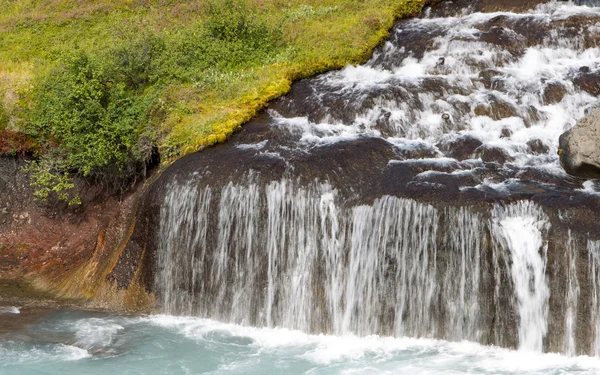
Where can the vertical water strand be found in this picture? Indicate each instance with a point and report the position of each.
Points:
(234, 266)
(464, 239)
(276, 214)
(415, 248)
(593, 248)
(569, 346)
(182, 246)
(332, 240)
(360, 269)
(391, 253)
(520, 229)
(295, 288)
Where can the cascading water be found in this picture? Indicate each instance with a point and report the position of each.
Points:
(519, 228)
(416, 195)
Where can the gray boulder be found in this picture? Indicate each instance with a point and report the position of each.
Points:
(579, 148)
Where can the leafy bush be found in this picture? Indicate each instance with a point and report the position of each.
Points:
(88, 115)
(50, 182)
(238, 21)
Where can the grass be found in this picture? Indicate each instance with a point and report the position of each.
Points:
(208, 77)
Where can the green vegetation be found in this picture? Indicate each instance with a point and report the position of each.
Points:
(93, 87)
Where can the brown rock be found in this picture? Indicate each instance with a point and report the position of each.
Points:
(496, 109)
(538, 147)
(554, 92)
(588, 82)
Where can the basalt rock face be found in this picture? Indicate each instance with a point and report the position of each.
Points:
(580, 148)
(383, 199)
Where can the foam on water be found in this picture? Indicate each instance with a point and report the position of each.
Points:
(96, 332)
(169, 344)
(12, 353)
(9, 310)
(422, 355)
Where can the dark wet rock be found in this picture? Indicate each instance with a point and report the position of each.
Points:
(585, 69)
(538, 147)
(493, 154)
(588, 82)
(543, 176)
(579, 148)
(554, 92)
(449, 180)
(504, 38)
(460, 148)
(437, 86)
(384, 125)
(415, 43)
(532, 116)
(490, 78)
(506, 133)
(421, 151)
(428, 165)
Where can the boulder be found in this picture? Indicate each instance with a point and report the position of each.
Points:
(579, 148)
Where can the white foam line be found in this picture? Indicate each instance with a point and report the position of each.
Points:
(326, 349)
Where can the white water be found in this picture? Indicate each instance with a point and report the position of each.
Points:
(520, 229)
(395, 87)
(9, 310)
(593, 248)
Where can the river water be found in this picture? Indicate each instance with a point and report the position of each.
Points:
(80, 342)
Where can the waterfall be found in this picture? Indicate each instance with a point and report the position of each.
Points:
(290, 256)
(520, 229)
(410, 196)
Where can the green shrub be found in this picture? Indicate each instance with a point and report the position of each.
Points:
(88, 115)
(51, 183)
(237, 20)
(137, 63)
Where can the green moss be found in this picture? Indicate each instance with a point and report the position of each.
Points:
(181, 75)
